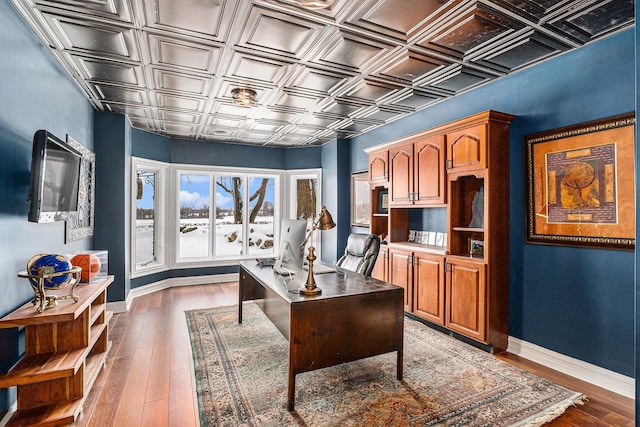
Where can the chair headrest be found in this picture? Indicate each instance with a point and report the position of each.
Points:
(359, 244)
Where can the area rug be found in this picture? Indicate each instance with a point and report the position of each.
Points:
(241, 380)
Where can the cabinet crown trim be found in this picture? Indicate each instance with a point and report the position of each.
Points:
(479, 118)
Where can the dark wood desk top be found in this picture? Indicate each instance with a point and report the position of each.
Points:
(333, 285)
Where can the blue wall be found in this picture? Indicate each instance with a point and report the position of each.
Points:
(578, 302)
(34, 94)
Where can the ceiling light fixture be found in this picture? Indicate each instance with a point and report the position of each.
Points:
(316, 4)
(243, 96)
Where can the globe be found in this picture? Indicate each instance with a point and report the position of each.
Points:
(46, 266)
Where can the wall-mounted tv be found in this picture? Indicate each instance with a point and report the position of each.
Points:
(55, 174)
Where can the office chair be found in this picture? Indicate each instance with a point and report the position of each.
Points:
(360, 254)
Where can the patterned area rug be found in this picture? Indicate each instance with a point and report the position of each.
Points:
(241, 379)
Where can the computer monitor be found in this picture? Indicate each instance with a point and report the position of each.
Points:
(290, 257)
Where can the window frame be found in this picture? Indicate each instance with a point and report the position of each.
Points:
(167, 211)
(161, 171)
(212, 259)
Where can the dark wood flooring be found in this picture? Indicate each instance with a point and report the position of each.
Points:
(149, 381)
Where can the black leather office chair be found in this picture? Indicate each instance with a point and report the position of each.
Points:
(360, 254)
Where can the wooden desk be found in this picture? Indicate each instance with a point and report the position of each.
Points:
(354, 317)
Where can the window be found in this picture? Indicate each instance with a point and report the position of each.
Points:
(225, 214)
(229, 219)
(304, 198)
(261, 215)
(147, 243)
(195, 215)
(217, 215)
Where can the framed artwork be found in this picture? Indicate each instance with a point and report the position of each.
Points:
(80, 224)
(476, 248)
(360, 200)
(383, 202)
(580, 184)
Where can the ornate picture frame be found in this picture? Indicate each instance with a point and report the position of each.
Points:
(80, 224)
(360, 200)
(580, 184)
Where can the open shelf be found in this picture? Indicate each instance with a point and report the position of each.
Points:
(65, 348)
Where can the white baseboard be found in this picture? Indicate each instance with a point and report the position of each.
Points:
(584, 371)
(124, 306)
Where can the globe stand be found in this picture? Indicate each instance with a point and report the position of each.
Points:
(44, 301)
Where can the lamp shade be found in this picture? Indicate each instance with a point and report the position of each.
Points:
(325, 222)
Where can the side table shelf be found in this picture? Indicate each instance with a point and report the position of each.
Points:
(65, 348)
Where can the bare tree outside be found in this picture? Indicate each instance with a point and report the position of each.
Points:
(306, 191)
(233, 186)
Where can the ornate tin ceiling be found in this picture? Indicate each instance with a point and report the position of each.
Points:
(170, 65)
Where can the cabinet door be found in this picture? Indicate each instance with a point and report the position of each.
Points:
(379, 166)
(400, 274)
(467, 298)
(467, 149)
(429, 182)
(401, 173)
(428, 279)
(381, 268)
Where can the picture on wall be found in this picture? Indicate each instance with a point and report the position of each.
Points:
(80, 224)
(360, 200)
(580, 184)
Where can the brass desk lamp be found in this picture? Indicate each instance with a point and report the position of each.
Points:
(324, 222)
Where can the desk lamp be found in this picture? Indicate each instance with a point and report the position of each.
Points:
(325, 222)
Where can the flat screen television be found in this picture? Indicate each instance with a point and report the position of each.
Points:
(55, 177)
(290, 257)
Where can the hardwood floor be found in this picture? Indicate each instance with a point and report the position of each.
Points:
(148, 380)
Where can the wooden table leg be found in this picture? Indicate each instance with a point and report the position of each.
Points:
(291, 392)
(399, 367)
(240, 294)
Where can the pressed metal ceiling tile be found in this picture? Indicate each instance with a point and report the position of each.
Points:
(173, 116)
(108, 71)
(278, 33)
(170, 65)
(92, 37)
(183, 55)
(351, 53)
(318, 81)
(167, 80)
(166, 100)
(253, 68)
(411, 67)
(199, 17)
(589, 22)
(396, 18)
(120, 94)
(372, 91)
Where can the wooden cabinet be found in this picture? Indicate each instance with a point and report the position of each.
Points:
(401, 175)
(429, 283)
(379, 167)
(467, 149)
(429, 184)
(65, 347)
(421, 274)
(478, 217)
(400, 274)
(463, 167)
(467, 298)
(381, 267)
(417, 172)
